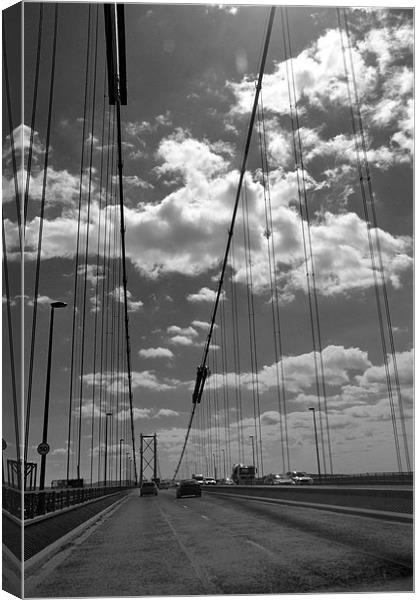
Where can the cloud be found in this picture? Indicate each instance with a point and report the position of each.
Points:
(376, 375)
(340, 366)
(205, 294)
(132, 305)
(202, 325)
(186, 336)
(93, 272)
(188, 331)
(133, 181)
(41, 301)
(150, 381)
(194, 160)
(147, 379)
(21, 140)
(156, 353)
(181, 340)
(166, 412)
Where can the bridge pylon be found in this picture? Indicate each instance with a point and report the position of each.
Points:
(148, 458)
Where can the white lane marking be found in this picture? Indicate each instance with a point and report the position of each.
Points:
(210, 587)
(266, 550)
(187, 507)
(204, 517)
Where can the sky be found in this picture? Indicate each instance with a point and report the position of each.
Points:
(191, 74)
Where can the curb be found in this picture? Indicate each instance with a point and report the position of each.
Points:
(42, 554)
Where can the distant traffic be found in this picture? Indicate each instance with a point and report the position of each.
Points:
(241, 475)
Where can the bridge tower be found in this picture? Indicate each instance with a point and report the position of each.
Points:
(148, 458)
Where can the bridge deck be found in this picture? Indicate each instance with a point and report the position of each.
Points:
(218, 545)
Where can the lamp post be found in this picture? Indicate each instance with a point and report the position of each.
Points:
(214, 466)
(224, 463)
(121, 441)
(127, 454)
(108, 414)
(44, 448)
(316, 442)
(253, 450)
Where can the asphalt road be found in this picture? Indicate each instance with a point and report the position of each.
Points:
(220, 545)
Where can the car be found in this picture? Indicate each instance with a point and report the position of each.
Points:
(188, 487)
(300, 477)
(209, 481)
(148, 488)
(228, 481)
(278, 479)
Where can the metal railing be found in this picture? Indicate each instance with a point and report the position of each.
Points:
(49, 501)
(380, 478)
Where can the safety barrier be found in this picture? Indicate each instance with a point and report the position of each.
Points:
(39, 503)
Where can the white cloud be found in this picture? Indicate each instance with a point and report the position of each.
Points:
(187, 331)
(204, 295)
(202, 325)
(181, 340)
(166, 412)
(193, 159)
(147, 379)
(156, 353)
(132, 305)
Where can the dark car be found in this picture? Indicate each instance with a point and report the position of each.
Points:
(148, 488)
(188, 487)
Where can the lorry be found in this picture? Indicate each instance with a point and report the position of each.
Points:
(243, 474)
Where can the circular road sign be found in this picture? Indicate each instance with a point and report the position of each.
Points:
(43, 448)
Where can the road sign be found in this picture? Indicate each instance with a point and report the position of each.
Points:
(43, 448)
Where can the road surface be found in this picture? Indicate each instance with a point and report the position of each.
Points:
(219, 545)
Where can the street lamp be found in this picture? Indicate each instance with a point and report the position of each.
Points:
(224, 463)
(44, 448)
(108, 414)
(253, 450)
(316, 442)
(214, 466)
(121, 441)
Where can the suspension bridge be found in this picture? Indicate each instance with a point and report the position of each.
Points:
(98, 263)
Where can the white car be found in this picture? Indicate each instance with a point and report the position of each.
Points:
(209, 481)
(278, 479)
(300, 477)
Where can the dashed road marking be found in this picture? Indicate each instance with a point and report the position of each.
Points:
(266, 550)
(209, 585)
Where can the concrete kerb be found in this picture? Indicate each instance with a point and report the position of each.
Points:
(45, 552)
(360, 512)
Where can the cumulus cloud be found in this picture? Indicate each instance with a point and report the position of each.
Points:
(202, 325)
(376, 375)
(205, 294)
(166, 412)
(114, 382)
(132, 305)
(156, 353)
